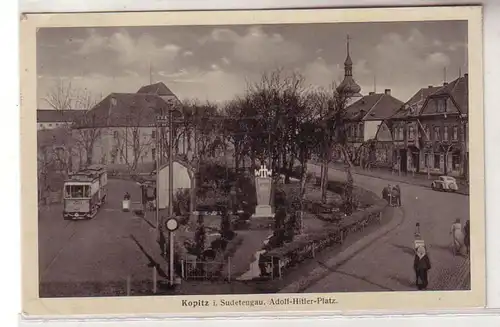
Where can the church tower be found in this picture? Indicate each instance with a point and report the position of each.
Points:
(349, 85)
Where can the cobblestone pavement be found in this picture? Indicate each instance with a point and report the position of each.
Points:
(387, 264)
(97, 250)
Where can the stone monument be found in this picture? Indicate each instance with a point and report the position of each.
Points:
(263, 184)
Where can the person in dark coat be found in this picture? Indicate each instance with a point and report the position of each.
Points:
(398, 198)
(467, 236)
(421, 265)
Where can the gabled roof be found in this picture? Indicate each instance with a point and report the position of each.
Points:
(458, 90)
(157, 88)
(377, 106)
(124, 109)
(416, 101)
(58, 116)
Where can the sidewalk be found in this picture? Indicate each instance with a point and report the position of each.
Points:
(407, 178)
(332, 263)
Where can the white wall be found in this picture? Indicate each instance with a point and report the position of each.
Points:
(370, 129)
(181, 181)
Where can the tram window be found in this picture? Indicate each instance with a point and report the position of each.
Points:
(77, 191)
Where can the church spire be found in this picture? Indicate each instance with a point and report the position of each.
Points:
(348, 84)
(348, 60)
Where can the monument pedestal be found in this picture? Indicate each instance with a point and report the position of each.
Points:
(263, 211)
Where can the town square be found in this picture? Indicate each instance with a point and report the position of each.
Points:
(253, 159)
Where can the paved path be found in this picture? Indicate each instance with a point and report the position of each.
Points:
(387, 264)
(97, 250)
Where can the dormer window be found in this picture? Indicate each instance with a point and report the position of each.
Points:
(441, 105)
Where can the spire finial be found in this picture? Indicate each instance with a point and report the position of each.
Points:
(348, 39)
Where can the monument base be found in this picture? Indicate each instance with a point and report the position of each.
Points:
(263, 211)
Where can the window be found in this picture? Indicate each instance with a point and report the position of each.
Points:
(437, 133)
(445, 134)
(437, 161)
(77, 191)
(153, 134)
(50, 125)
(360, 130)
(455, 133)
(115, 135)
(455, 162)
(426, 160)
(354, 131)
(411, 133)
(441, 105)
(153, 154)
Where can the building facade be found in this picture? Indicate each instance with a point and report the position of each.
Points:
(430, 131)
(47, 119)
(121, 132)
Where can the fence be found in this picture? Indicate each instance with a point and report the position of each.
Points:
(193, 269)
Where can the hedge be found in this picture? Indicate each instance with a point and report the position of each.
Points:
(295, 252)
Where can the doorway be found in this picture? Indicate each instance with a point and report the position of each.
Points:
(403, 157)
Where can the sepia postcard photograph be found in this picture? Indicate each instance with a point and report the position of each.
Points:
(198, 163)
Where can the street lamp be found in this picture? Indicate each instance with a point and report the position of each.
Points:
(171, 224)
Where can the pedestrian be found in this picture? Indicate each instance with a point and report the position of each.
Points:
(467, 236)
(126, 196)
(387, 194)
(421, 265)
(457, 236)
(162, 242)
(398, 196)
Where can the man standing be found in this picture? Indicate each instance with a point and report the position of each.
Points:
(421, 265)
(467, 236)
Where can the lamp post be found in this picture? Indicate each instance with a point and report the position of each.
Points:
(171, 224)
(161, 121)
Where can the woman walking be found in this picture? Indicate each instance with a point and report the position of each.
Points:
(457, 236)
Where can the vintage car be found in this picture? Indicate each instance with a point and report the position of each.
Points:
(445, 183)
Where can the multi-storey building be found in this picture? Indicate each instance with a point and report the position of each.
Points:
(365, 115)
(51, 118)
(430, 130)
(120, 130)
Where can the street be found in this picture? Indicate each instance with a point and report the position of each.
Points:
(99, 250)
(387, 263)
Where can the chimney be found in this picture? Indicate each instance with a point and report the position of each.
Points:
(466, 75)
(387, 91)
(371, 93)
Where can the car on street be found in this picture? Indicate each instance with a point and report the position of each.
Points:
(445, 183)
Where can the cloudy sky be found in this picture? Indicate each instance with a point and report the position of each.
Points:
(216, 62)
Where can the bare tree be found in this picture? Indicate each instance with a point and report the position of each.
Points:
(87, 130)
(133, 142)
